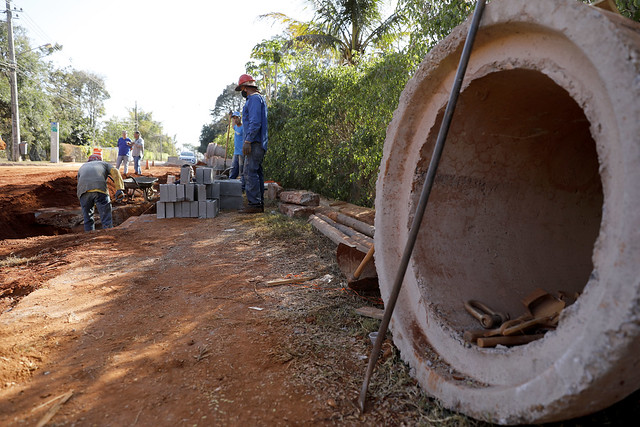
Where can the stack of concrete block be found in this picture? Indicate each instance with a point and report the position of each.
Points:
(203, 198)
(188, 199)
(298, 204)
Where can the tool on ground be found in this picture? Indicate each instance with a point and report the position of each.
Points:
(360, 271)
(424, 197)
(487, 317)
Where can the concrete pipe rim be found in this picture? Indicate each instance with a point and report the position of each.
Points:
(552, 382)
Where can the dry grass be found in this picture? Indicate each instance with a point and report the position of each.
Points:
(329, 346)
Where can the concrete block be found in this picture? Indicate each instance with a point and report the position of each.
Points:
(230, 203)
(201, 192)
(296, 211)
(171, 179)
(213, 208)
(180, 193)
(177, 210)
(194, 209)
(230, 187)
(164, 193)
(199, 176)
(213, 190)
(207, 175)
(186, 209)
(169, 211)
(189, 192)
(185, 174)
(202, 209)
(304, 198)
(160, 210)
(171, 190)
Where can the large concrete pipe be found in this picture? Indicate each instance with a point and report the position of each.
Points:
(538, 187)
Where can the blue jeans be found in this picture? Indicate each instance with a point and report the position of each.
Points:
(123, 160)
(237, 168)
(136, 165)
(91, 199)
(254, 176)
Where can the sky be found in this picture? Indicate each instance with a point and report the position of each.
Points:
(171, 57)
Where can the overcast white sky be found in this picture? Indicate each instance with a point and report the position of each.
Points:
(173, 57)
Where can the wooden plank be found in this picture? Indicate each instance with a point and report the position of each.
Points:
(54, 409)
(362, 227)
(289, 280)
(375, 313)
(335, 235)
(512, 340)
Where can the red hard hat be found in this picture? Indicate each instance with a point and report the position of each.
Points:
(245, 80)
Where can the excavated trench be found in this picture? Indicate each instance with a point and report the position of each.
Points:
(537, 188)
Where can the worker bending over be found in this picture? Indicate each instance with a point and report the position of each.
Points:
(92, 190)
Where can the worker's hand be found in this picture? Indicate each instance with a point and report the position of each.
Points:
(119, 196)
(246, 148)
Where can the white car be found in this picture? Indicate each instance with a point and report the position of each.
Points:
(188, 156)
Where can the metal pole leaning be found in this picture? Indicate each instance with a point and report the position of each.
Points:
(424, 197)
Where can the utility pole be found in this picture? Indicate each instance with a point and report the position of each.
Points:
(13, 82)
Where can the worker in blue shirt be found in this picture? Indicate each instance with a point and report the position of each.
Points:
(237, 167)
(254, 122)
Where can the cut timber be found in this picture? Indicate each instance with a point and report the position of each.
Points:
(362, 227)
(54, 409)
(358, 212)
(374, 313)
(289, 280)
(335, 235)
(295, 211)
(303, 198)
(357, 239)
(507, 341)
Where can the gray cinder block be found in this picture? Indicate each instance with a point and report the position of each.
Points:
(213, 208)
(202, 209)
(160, 210)
(164, 193)
(207, 175)
(169, 211)
(199, 176)
(189, 192)
(185, 174)
(194, 209)
(213, 190)
(171, 192)
(230, 187)
(228, 203)
(177, 210)
(201, 190)
(180, 193)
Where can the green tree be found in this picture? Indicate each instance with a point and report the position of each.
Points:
(229, 100)
(348, 28)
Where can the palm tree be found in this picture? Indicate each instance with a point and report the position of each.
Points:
(345, 27)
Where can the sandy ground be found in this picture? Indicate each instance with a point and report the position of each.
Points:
(154, 322)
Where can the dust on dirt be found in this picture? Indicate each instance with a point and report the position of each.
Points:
(171, 322)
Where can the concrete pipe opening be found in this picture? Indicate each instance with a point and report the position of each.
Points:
(537, 188)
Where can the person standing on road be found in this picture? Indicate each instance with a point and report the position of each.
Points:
(137, 151)
(92, 190)
(237, 166)
(124, 147)
(254, 147)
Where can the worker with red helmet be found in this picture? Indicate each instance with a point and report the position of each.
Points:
(254, 118)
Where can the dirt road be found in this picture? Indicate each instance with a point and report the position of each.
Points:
(169, 322)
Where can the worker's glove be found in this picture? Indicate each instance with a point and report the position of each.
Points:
(246, 148)
(119, 196)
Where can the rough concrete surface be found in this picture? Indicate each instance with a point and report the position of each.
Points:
(537, 188)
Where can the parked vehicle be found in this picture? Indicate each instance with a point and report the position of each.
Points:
(188, 156)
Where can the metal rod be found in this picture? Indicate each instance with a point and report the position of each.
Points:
(424, 197)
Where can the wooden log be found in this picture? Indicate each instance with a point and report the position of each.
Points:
(354, 236)
(289, 280)
(358, 212)
(362, 227)
(303, 198)
(54, 409)
(296, 211)
(335, 235)
(375, 313)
